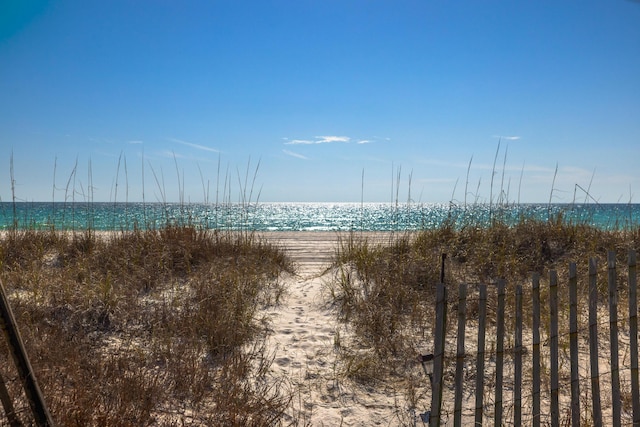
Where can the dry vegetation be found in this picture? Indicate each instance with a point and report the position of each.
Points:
(384, 291)
(146, 327)
(163, 327)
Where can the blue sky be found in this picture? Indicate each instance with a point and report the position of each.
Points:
(181, 97)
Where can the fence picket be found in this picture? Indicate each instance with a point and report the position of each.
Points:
(438, 355)
(573, 344)
(460, 355)
(633, 337)
(535, 290)
(482, 323)
(517, 386)
(593, 343)
(553, 340)
(613, 338)
(499, 354)
(26, 374)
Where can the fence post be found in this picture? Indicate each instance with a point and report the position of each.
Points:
(499, 354)
(633, 333)
(517, 387)
(25, 371)
(613, 338)
(593, 343)
(553, 340)
(438, 354)
(573, 344)
(535, 290)
(482, 322)
(460, 354)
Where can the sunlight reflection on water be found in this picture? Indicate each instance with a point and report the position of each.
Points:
(303, 216)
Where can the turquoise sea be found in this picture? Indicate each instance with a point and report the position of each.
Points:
(302, 216)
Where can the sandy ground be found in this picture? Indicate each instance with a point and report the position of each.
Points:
(303, 343)
(303, 337)
(304, 329)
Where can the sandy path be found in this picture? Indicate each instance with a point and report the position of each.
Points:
(304, 329)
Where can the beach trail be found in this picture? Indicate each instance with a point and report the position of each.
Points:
(303, 341)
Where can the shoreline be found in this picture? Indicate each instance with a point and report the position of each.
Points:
(268, 234)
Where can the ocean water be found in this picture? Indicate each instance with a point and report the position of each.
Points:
(302, 216)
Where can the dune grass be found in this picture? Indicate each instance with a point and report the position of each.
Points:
(384, 290)
(148, 327)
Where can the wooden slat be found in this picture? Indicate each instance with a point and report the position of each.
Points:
(499, 354)
(25, 371)
(438, 354)
(633, 334)
(460, 355)
(482, 322)
(613, 338)
(517, 387)
(573, 344)
(535, 290)
(553, 340)
(593, 344)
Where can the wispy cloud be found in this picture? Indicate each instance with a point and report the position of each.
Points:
(318, 140)
(296, 155)
(364, 141)
(328, 139)
(196, 146)
(508, 137)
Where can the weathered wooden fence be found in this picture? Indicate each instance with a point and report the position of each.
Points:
(564, 383)
(39, 409)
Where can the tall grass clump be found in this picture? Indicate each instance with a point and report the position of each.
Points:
(379, 290)
(384, 289)
(148, 327)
